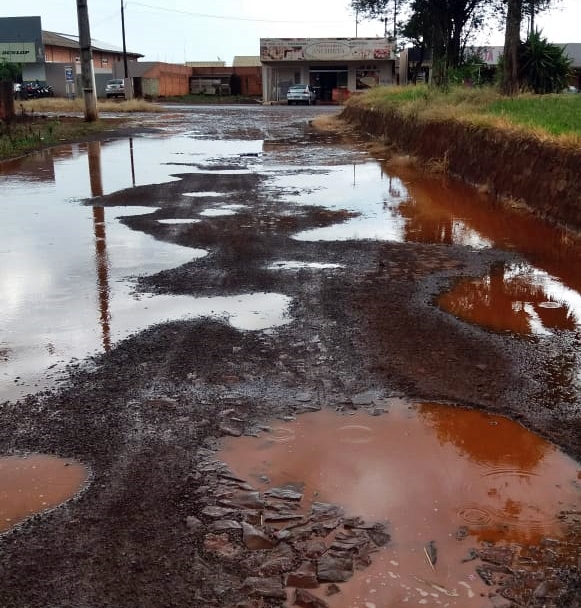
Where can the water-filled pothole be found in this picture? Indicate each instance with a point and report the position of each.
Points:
(514, 297)
(456, 480)
(34, 483)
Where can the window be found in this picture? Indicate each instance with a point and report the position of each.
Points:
(367, 76)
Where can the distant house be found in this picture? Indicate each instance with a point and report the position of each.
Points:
(243, 77)
(54, 58)
(154, 79)
(62, 52)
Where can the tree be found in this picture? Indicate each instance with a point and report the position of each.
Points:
(9, 72)
(509, 83)
(442, 25)
(515, 11)
(543, 67)
(384, 10)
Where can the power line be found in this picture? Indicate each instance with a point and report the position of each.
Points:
(224, 17)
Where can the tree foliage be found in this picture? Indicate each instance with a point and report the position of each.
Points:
(445, 26)
(543, 67)
(9, 71)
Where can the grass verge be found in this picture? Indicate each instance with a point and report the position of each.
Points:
(546, 116)
(77, 106)
(35, 133)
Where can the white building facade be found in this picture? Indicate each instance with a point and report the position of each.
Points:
(336, 67)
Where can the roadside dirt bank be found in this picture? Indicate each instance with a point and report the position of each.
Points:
(161, 522)
(542, 175)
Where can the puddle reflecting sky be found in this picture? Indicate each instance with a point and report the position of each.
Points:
(515, 298)
(405, 206)
(65, 289)
(430, 471)
(67, 270)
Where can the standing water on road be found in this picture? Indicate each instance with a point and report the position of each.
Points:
(441, 477)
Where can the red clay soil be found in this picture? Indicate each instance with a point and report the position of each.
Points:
(544, 175)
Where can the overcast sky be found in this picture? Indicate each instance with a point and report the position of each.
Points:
(197, 30)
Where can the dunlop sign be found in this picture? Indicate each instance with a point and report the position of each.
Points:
(18, 52)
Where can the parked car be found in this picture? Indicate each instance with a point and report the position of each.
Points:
(301, 93)
(115, 88)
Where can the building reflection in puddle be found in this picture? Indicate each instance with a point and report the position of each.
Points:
(437, 473)
(516, 298)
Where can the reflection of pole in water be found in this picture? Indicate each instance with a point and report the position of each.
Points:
(354, 174)
(100, 243)
(95, 168)
(102, 274)
(132, 161)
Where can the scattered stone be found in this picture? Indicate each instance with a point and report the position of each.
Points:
(470, 556)
(282, 517)
(217, 512)
(308, 600)
(229, 430)
(334, 569)
(461, 533)
(311, 548)
(264, 587)
(501, 556)
(379, 535)
(281, 560)
(366, 398)
(486, 576)
(220, 545)
(226, 525)
(303, 397)
(255, 539)
(349, 541)
(332, 589)
(321, 511)
(353, 522)
(193, 523)
(288, 492)
(304, 578)
(244, 500)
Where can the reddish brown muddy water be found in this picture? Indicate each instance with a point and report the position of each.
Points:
(458, 477)
(67, 284)
(35, 483)
(67, 289)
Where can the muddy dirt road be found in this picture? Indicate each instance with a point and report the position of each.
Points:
(251, 275)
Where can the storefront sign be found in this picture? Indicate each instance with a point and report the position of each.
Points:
(325, 49)
(18, 52)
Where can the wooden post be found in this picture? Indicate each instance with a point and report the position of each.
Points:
(87, 71)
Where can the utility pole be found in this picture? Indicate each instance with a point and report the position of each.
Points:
(87, 71)
(123, 34)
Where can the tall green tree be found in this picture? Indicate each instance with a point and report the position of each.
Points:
(516, 11)
(509, 84)
(443, 25)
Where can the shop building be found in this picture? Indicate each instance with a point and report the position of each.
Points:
(336, 67)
